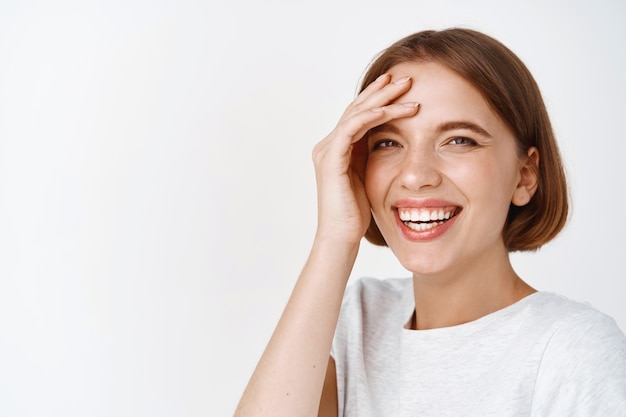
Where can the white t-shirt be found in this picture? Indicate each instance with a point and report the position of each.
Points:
(542, 356)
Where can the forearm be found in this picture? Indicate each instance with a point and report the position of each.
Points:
(289, 377)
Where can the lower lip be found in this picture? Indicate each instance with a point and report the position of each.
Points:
(426, 235)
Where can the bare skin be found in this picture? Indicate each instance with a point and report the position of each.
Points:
(289, 378)
(405, 161)
(456, 155)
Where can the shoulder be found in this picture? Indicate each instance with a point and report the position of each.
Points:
(586, 333)
(560, 318)
(371, 304)
(560, 306)
(574, 324)
(373, 294)
(373, 288)
(577, 330)
(583, 366)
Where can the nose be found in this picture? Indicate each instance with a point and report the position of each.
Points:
(420, 170)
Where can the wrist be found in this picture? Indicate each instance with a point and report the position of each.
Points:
(334, 249)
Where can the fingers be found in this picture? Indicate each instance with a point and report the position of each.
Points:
(358, 125)
(340, 158)
(375, 106)
(352, 129)
(379, 93)
(375, 86)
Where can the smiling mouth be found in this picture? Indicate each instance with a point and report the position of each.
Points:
(422, 219)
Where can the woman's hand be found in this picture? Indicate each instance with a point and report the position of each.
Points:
(339, 159)
(291, 372)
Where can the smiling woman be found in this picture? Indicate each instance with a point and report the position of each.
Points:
(457, 154)
(447, 156)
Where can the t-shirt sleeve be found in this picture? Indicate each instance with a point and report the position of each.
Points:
(583, 370)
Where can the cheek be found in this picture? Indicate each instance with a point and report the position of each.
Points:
(378, 182)
(372, 182)
(381, 174)
(507, 177)
(486, 180)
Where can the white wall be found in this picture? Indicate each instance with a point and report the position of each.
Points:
(157, 195)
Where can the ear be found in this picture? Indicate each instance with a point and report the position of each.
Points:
(529, 179)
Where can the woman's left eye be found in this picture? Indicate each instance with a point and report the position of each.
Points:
(462, 141)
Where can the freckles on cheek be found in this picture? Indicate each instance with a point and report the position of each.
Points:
(482, 177)
(376, 184)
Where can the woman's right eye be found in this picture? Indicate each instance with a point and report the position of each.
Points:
(384, 143)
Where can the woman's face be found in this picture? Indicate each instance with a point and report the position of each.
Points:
(440, 183)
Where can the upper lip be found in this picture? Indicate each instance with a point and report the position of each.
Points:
(424, 203)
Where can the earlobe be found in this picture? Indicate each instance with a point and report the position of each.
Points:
(529, 179)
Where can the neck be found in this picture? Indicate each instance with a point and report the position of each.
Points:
(470, 292)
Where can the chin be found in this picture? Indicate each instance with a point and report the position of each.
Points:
(423, 264)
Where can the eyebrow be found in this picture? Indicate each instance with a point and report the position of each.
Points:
(384, 128)
(462, 125)
(441, 128)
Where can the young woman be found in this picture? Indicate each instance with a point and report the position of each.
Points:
(446, 156)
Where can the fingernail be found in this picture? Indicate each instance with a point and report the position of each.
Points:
(378, 109)
(411, 104)
(402, 80)
(382, 76)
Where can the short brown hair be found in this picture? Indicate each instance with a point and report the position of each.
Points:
(510, 89)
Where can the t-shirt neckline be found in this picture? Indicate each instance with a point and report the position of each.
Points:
(471, 326)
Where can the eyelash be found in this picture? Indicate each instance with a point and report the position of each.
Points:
(466, 141)
(384, 143)
(390, 143)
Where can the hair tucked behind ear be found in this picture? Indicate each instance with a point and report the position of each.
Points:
(509, 88)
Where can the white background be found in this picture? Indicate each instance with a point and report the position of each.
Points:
(157, 199)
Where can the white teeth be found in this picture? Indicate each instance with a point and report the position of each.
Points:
(424, 215)
(420, 227)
